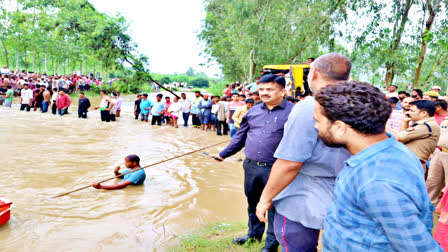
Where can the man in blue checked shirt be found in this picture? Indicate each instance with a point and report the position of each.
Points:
(380, 197)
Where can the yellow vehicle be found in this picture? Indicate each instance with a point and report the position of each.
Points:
(298, 74)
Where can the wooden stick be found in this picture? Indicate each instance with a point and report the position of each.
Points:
(163, 161)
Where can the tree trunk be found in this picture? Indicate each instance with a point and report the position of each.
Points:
(252, 65)
(46, 61)
(34, 61)
(397, 34)
(5, 51)
(18, 52)
(433, 9)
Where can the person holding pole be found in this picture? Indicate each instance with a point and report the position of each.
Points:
(132, 162)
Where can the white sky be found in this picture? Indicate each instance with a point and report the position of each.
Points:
(165, 30)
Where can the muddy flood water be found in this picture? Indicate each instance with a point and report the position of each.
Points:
(42, 155)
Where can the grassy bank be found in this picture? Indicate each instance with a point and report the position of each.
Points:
(218, 237)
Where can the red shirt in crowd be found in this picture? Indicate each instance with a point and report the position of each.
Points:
(63, 101)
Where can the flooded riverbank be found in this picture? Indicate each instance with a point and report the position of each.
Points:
(43, 155)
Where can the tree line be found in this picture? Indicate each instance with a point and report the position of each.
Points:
(63, 36)
(401, 42)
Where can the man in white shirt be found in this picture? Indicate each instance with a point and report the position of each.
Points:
(26, 97)
(185, 108)
(392, 92)
(174, 109)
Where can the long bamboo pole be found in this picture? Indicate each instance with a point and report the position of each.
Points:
(163, 161)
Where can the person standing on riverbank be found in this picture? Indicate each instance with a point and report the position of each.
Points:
(173, 111)
(39, 97)
(205, 110)
(158, 108)
(185, 107)
(261, 131)
(232, 107)
(26, 98)
(84, 105)
(380, 202)
(195, 110)
(63, 102)
(301, 183)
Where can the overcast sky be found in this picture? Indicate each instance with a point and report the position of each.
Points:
(166, 31)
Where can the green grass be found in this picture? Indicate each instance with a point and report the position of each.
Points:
(218, 237)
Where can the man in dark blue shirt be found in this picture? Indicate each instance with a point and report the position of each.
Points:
(260, 132)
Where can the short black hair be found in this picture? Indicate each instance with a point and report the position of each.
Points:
(216, 96)
(81, 93)
(358, 104)
(256, 93)
(311, 58)
(291, 99)
(133, 158)
(55, 89)
(160, 95)
(167, 97)
(241, 95)
(442, 104)
(183, 94)
(273, 78)
(425, 105)
(250, 101)
(402, 92)
(235, 94)
(419, 91)
(8, 87)
(145, 95)
(393, 100)
(104, 91)
(394, 86)
(197, 92)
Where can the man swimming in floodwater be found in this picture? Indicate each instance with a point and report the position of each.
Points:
(132, 162)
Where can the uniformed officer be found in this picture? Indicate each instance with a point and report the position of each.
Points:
(438, 170)
(423, 135)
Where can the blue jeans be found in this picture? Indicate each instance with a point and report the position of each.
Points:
(293, 236)
(45, 107)
(232, 129)
(213, 119)
(62, 112)
(186, 116)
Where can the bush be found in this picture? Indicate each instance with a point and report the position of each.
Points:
(200, 82)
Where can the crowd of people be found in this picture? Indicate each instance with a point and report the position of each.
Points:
(367, 167)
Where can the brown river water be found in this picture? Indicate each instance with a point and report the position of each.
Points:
(43, 155)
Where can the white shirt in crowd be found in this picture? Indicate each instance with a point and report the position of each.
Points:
(26, 95)
(215, 108)
(174, 108)
(185, 105)
(54, 97)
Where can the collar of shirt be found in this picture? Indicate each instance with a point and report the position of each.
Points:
(426, 120)
(357, 159)
(280, 106)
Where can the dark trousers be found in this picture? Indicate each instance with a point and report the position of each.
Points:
(25, 106)
(105, 115)
(137, 114)
(293, 236)
(113, 117)
(255, 179)
(196, 120)
(157, 119)
(82, 114)
(54, 108)
(186, 116)
(221, 126)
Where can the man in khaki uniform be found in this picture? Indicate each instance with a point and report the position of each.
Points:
(438, 170)
(422, 137)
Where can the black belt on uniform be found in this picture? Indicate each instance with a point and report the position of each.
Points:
(259, 163)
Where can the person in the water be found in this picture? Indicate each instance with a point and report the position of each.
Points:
(132, 162)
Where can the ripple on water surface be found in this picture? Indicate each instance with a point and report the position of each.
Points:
(44, 155)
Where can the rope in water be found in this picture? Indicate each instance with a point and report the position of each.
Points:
(163, 161)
